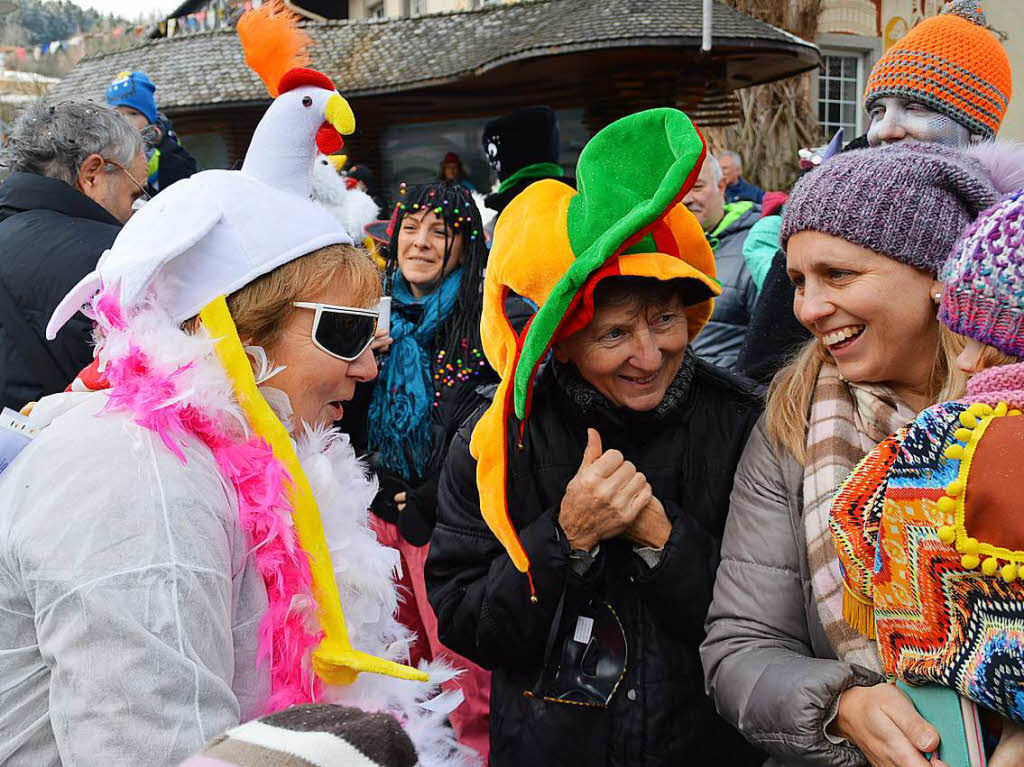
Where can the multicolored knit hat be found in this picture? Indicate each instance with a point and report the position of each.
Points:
(309, 736)
(909, 201)
(983, 280)
(625, 220)
(952, 63)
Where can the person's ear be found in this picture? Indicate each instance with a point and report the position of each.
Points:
(935, 291)
(89, 173)
(559, 350)
(722, 185)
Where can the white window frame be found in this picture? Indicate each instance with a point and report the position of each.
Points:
(867, 50)
(376, 10)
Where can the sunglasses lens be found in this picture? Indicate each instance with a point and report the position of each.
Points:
(345, 335)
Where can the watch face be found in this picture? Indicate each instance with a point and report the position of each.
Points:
(587, 659)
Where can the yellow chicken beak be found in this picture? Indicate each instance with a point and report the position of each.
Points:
(338, 161)
(339, 114)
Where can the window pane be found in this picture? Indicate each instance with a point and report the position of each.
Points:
(833, 113)
(850, 90)
(835, 90)
(849, 114)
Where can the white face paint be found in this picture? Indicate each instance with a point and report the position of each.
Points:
(895, 119)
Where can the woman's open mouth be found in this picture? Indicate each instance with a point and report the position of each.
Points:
(841, 338)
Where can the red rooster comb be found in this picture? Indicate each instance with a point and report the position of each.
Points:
(274, 45)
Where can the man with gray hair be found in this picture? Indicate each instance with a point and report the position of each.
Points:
(726, 225)
(76, 173)
(737, 187)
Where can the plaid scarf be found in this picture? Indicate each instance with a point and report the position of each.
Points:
(846, 421)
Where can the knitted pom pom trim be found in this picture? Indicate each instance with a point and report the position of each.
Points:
(1009, 563)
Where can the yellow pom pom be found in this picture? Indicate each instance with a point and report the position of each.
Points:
(979, 409)
(971, 546)
(955, 452)
(967, 419)
(1001, 409)
(970, 561)
(1014, 412)
(947, 534)
(990, 566)
(963, 434)
(1009, 572)
(955, 487)
(946, 504)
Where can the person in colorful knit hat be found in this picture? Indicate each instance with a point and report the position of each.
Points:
(185, 543)
(928, 526)
(580, 513)
(948, 80)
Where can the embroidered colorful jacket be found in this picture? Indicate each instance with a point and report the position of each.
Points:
(931, 540)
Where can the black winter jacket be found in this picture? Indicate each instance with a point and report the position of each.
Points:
(659, 714)
(51, 236)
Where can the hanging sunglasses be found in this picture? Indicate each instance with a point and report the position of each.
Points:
(344, 332)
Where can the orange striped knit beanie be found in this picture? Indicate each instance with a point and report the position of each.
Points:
(953, 64)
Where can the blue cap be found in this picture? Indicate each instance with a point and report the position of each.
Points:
(135, 90)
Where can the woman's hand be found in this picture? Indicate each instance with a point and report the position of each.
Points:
(883, 723)
(381, 341)
(651, 528)
(400, 500)
(1010, 751)
(603, 498)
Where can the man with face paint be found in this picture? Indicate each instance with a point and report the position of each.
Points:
(948, 81)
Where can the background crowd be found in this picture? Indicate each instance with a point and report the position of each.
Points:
(668, 468)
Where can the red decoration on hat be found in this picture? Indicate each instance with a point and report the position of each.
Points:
(299, 76)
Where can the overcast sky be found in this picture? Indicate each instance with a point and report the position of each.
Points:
(131, 9)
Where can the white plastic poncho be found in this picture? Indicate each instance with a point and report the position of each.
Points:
(130, 601)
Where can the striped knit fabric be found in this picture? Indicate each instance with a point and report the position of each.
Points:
(314, 735)
(846, 421)
(945, 602)
(953, 64)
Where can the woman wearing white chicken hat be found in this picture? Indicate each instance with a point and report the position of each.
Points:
(165, 557)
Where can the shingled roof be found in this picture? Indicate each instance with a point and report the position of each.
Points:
(373, 57)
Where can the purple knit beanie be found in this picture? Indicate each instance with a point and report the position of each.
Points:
(983, 280)
(909, 201)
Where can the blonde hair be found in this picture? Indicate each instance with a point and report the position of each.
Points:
(991, 357)
(261, 310)
(787, 414)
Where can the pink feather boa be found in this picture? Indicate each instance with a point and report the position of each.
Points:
(150, 393)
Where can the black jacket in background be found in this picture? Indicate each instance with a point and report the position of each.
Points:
(774, 334)
(175, 161)
(659, 714)
(51, 236)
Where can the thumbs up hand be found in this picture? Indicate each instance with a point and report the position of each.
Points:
(603, 498)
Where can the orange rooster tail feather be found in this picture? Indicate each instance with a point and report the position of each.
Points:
(273, 43)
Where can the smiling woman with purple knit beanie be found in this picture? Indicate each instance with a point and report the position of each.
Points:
(865, 237)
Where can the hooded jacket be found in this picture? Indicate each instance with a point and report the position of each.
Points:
(51, 236)
(722, 338)
(687, 448)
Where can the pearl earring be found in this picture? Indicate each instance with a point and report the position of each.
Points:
(936, 297)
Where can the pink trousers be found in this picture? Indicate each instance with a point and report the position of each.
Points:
(470, 720)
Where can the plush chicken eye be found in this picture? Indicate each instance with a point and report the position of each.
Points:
(307, 101)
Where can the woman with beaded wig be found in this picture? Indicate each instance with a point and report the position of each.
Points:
(865, 235)
(431, 364)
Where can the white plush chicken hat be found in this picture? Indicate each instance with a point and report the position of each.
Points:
(209, 235)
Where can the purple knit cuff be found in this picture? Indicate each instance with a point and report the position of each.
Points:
(989, 319)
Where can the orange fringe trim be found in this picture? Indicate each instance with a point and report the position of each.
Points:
(273, 42)
(858, 612)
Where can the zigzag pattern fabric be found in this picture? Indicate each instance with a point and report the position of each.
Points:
(939, 612)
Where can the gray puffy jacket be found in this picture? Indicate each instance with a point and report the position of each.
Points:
(722, 338)
(767, 663)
